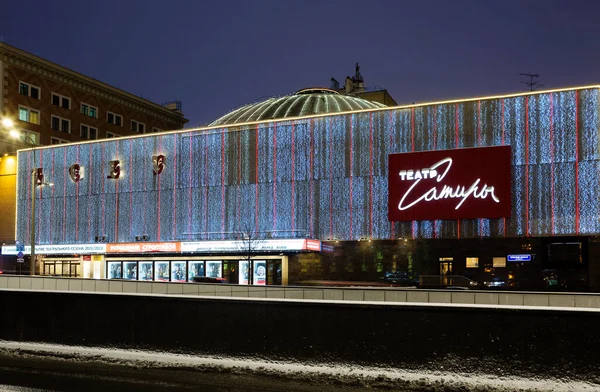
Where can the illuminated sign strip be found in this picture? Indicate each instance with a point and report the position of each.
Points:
(258, 245)
(173, 247)
(57, 249)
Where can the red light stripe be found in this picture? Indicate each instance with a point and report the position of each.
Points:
(435, 226)
(527, 166)
(577, 217)
(552, 163)
(456, 136)
(223, 184)
(116, 200)
(392, 232)
(479, 145)
(256, 188)
(350, 182)
(190, 186)
(76, 201)
(90, 192)
(371, 174)
(275, 176)
(239, 176)
(158, 194)
(130, 186)
(52, 201)
(311, 176)
(103, 197)
(412, 143)
(331, 178)
(175, 236)
(206, 184)
(293, 174)
(503, 138)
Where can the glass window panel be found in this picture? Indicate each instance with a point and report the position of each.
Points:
(23, 114)
(130, 270)
(111, 118)
(84, 131)
(260, 272)
(93, 112)
(65, 126)
(178, 271)
(162, 271)
(145, 270)
(499, 262)
(66, 103)
(34, 117)
(243, 272)
(93, 133)
(213, 269)
(118, 120)
(196, 268)
(24, 88)
(114, 270)
(84, 109)
(55, 99)
(55, 123)
(35, 92)
(141, 128)
(472, 262)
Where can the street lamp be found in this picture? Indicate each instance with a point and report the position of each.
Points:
(34, 184)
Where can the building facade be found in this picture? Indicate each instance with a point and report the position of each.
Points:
(50, 104)
(326, 178)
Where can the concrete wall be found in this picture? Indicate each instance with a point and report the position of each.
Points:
(512, 342)
(472, 297)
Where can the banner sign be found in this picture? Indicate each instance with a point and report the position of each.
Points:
(255, 245)
(450, 184)
(79, 249)
(141, 247)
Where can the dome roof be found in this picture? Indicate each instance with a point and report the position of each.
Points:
(305, 102)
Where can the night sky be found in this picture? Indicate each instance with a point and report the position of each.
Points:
(216, 55)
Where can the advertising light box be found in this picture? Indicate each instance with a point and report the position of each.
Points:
(450, 184)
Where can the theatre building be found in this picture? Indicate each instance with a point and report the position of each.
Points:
(502, 190)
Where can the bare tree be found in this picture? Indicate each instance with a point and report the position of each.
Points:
(249, 244)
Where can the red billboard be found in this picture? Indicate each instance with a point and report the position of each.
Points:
(450, 184)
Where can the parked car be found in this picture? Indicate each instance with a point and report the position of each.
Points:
(207, 279)
(400, 278)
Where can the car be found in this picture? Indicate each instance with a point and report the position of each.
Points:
(207, 279)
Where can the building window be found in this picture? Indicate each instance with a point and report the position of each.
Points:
(499, 262)
(113, 118)
(29, 90)
(111, 135)
(88, 132)
(156, 129)
(29, 115)
(61, 124)
(472, 262)
(56, 140)
(89, 110)
(61, 100)
(30, 137)
(137, 126)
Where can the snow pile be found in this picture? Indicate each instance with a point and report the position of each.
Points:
(340, 375)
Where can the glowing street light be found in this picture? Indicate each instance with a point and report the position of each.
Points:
(34, 184)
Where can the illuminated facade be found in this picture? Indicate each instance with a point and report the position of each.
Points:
(49, 104)
(326, 178)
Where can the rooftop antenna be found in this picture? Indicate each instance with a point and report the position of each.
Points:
(533, 82)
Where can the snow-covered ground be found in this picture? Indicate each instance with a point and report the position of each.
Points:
(340, 375)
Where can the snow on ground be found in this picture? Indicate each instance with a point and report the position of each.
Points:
(372, 378)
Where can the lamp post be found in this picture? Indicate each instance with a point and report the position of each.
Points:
(34, 184)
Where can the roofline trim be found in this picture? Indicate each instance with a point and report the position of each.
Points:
(236, 127)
